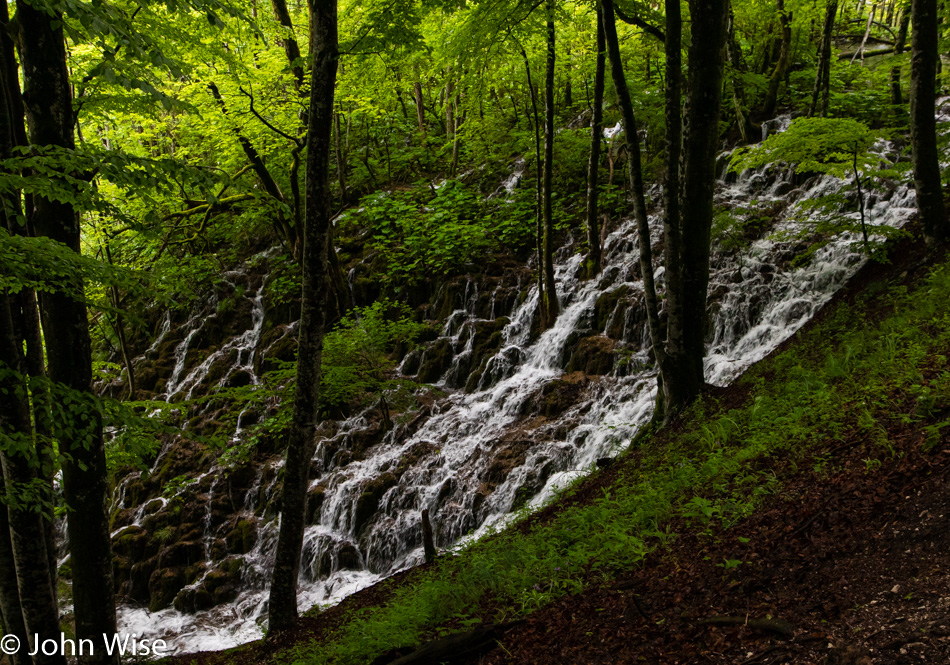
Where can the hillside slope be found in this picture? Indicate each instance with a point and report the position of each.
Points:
(798, 516)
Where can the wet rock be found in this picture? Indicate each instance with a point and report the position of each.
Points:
(163, 585)
(593, 356)
(315, 499)
(348, 557)
(181, 554)
(368, 502)
(242, 538)
(436, 360)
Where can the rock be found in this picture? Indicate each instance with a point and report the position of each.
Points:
(368, 503)
(593, 356)
(348, 557)
(163, 585)
(436, 359)
(315, 499)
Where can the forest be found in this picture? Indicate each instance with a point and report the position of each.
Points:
(423, 331)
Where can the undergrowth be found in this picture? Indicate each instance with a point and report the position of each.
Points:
(842, 384)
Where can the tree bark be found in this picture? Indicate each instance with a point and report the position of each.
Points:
(18, 457)
(68, 349)
(289, 41)
(684, 380)
(282, 612)
(923, 125)
(672, 354)
(781, 66)
(593, 164)
(822, 87)
(539, 228)
(899, 44)
(550, 304)
(635, 173)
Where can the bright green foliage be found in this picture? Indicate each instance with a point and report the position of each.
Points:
(840, 147)
(357, 353)
(817, 145)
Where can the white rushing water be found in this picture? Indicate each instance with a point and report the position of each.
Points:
(759, 300)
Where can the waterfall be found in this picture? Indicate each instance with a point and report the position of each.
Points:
(480, 456)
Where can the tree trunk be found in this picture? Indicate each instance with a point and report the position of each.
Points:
(10, 611)
(781, 66)
(923, 126)
(899, 44)
(593, 164)
(449, 103)
(282, 611)
(68, 349)
(340, 164)
(672, 355)
(684, 380)
(290, 43)
(19, 460)
(420, 109)
(539, 233)
(550, 303)
(822, 87)
(635, 174)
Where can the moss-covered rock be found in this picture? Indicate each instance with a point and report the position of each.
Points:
(436, 360)
(368, 502)
(163, 585)
(593, 356)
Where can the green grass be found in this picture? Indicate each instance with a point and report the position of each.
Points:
(846, 382)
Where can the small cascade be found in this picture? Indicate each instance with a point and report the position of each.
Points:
(527, 426)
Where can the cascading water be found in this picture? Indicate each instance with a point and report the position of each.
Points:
(478, 456)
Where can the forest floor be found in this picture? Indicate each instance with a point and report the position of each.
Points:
(845, 563)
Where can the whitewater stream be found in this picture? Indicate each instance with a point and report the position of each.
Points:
(760, 300)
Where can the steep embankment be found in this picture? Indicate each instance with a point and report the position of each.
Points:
(799, 515)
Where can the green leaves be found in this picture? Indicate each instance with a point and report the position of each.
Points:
(817, 145)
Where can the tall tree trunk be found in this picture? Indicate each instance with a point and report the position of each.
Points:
(899, 44)
(420, 107)
(593, 164)
(10, 611)
(13, 133)
(539, 228)
(684, 378)
(289, 41)
(449, 103)
(635, 173)
(19, 461)
(823, 77)
(282, 611)
(340, 164)
(674, 347)
(551, 307)
(923, 126)
(781, 66)
(68, 349)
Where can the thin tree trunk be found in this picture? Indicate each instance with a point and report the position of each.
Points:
(282, 612)
(340, 165)
(823, 76)
(550, 293)
(899, 44)
(923, 126)
(420, 109)
(539, 234)
(449, 105)
(771, 95)
(18, 458)
(290, 43)
(635, 174)
(673, 352)
(68, 348)
(10, 611)
(593, 164)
